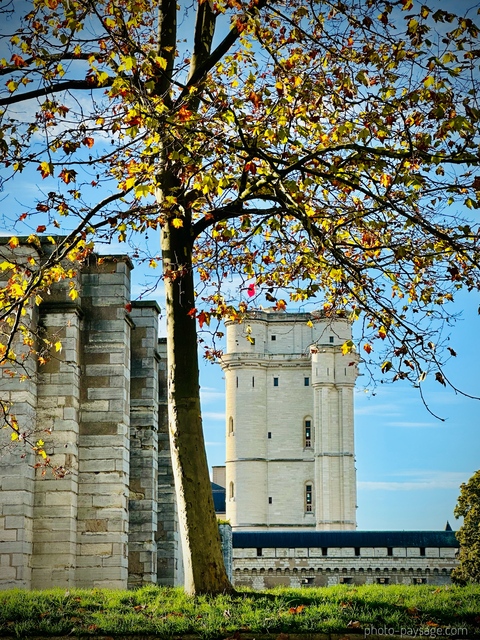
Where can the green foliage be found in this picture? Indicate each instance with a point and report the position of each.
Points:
(166, 612)
(468, 507)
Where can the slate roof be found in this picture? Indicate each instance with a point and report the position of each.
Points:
(307, 539)
(218, 497)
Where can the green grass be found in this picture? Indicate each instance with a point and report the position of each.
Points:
(168, 613)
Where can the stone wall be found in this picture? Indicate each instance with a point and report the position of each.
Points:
(308, 567)
(323, 558)
(99, 404)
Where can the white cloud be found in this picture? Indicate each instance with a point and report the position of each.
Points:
(211, 394)
(418, 481)
(415, 425)
(213, 415)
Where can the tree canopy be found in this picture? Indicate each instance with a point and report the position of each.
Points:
(325, 150)
(468, 508)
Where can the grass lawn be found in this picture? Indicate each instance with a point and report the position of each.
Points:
(372, 610)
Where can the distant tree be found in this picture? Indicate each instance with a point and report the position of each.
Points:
(322, 150)
(468, 508)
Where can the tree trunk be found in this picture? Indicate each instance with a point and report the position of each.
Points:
(202, 555)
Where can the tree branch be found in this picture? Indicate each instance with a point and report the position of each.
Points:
(56, 88)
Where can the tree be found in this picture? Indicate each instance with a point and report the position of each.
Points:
(468, 508)
(323, 150)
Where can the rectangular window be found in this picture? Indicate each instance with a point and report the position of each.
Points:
(252, 341)
(308, 434)
(253, 381)
(332, 339)
(383, 580)
(324, 551)
(306, 382)
(270, 500)
(269, 435)
(275, 382)
(389, 551)
(357, 551)
(422, 551)
(346, 580)
(274, 338)
(259, 552)
(419, 581)
(237, 382)
(308, 497)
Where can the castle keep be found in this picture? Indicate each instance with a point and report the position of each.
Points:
(110, 522)
(289, 403)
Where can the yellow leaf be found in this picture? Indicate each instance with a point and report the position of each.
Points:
(14, 436)
(347, 347)
(58, 346)
(13, 242)
(40, 443)
(73, 294)
(177, 223)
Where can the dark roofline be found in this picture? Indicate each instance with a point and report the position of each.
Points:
(315, 539)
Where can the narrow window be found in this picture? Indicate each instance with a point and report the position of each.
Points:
(232, 491)
(357, 551)
(269, 435)
(259, 552)
(237, 382)
(324, 551)
(253, 381)
(306, 382)
(274, 338)
(389, 551)
(270, 500)
(328, 371)
(309, 498)
(230, 425)
(332, 339)
(308, 434)
(252, 341)
(275, 382)
(422, 551)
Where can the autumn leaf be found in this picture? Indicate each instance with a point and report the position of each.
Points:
(88, 142)
(46, 169)
(203, 318)
(367, 347)
(58, 346)
(67, 175)
(439, 378)
(386, 366)
(41, 228)
(297, 610)
(251, 290)
(13, 242)
(177, 223)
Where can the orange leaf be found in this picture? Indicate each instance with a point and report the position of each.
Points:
(13, 242)
(88, 142)
(41, 228)
(67, 175)
(367, 347)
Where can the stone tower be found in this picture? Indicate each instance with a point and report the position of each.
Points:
(290, 426)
